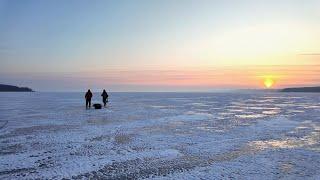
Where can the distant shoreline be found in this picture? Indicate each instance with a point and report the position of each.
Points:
(10, 88)
(302, 89)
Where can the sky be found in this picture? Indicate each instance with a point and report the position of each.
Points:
(159, 45)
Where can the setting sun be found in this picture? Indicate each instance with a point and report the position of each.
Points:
(268, 82)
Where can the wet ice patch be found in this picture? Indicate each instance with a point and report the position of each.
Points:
(309, 141)
(193, 116)
(271, 112)
(279, 123)
(249, 116)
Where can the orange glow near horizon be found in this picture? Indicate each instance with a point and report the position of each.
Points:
(219, 77)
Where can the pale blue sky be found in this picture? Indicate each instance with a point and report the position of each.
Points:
(60, 38)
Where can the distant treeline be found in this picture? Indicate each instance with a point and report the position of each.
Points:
(9, 88)
(302, 89)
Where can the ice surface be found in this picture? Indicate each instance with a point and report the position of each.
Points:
(160, 136)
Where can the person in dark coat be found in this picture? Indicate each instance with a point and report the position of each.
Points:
(104, 97)
(88, 97)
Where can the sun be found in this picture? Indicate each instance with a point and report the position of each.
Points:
(268, 82)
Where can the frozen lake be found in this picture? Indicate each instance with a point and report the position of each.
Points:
(160, 136)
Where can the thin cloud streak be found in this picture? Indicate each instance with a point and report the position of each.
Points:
(310, 54)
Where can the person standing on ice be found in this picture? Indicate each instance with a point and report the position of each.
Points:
(88, 97)
(104, 97)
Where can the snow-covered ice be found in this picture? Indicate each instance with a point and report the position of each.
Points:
(160, 136)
